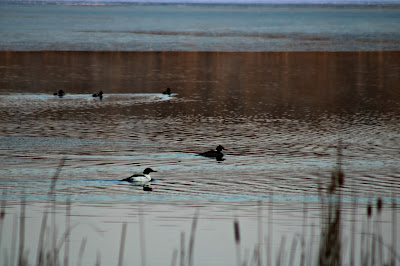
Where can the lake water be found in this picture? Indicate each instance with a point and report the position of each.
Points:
(282, 118)
(138, 27)
(289, 122)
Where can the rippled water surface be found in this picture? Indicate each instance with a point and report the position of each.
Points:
(89, 25)
(280, 116)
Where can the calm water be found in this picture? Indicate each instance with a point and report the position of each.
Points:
(197, 27)
(283, 117)
(280, 116)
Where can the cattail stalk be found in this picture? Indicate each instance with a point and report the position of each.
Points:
(237, 240)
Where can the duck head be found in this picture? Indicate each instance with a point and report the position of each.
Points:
(219, 148)
(148, 171)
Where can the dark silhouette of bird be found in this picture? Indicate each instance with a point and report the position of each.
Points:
(60, 93)
(217, 153)
(100, 95)
(168, 92)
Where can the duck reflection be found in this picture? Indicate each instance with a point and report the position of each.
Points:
(145, 185)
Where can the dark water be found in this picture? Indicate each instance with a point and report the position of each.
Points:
(281, 117)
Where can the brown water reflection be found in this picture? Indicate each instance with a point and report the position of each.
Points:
(280, 116)
(245, 83)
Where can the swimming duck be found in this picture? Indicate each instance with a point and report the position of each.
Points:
(168, 92)
(100, 94)
(145, 177)
(60, 93)
(214, 153)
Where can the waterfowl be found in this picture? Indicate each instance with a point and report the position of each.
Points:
(145, 177)
(217, 153)
(168, 92)
(60, 93)
(100, 94)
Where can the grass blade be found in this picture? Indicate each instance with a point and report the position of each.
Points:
(21, 234)
(122, 246)
(191, 240)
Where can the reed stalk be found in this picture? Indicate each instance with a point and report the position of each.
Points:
(245, 257)
(192, 238)
(142, 236)
(310, 253)
(67, 226)
(379, 206)
(256, 255)
(270, 229)
(40, 251)
(362, 244)
(2, 213)
(174, 256)
(182, 259)
(394, 231)
(122, 246)
(260, 232)
(279, 259)
(81, 251)
(98, 258)
(373, 247)
(13, 240)
(369, 233)
(237, 241)
(353, 228)
(293, 250)
(21, 256)
(303, 240)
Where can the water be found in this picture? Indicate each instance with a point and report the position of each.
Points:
(137, 27)
(280, 116)
(283, 117)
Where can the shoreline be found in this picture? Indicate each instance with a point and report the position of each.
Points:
(256, 4)
(186, 51)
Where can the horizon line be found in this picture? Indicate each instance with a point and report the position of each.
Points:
(210, 2)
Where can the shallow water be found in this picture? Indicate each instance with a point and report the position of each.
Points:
(281, 116)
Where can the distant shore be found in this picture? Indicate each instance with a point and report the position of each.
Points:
(267, 3)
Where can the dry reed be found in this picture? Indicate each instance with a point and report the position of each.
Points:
(122, 246)
(237, 241)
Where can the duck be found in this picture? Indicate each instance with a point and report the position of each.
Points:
(217, 153)
(145, 177)
(168, 92)
(100, 94)
(60, 93)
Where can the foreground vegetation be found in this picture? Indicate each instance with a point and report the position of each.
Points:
(333, 248)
